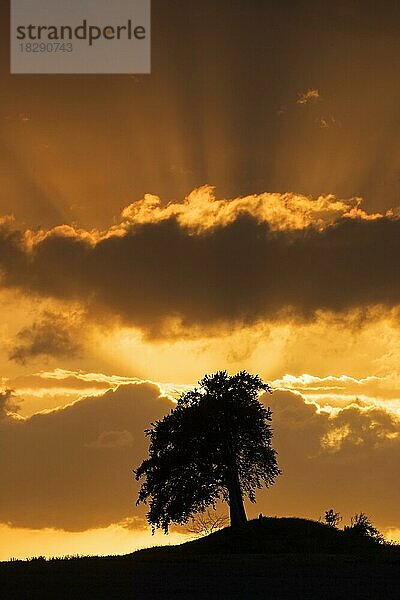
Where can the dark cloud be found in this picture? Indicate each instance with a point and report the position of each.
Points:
(7, 404)
(112, 439)
(348, 461)
(240, 272)
(71, 468)
(51, 336)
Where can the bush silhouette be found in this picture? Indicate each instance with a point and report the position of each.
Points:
(332, 518)
(362, 527)
(206, 522)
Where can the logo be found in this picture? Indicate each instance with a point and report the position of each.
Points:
(80, 36)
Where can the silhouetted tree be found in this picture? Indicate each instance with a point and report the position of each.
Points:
(332, 518)
(361, 526)
(214, 445)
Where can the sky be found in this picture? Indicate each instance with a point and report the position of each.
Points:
(238, 208)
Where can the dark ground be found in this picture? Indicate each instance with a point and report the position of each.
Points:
(322, 564)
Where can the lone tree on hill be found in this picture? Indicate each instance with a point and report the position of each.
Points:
(214, 445)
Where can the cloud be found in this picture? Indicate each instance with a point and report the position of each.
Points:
(8, 405)
(79, 460)
(308, 96)
(72, 468)
(347, 460)
(164, 276)
(312, 383)
(79, 378)
(341, 390)
(326, 122)
(112, 439)
(63, 386)
(202, 211)
(51, 336)
(46, 391)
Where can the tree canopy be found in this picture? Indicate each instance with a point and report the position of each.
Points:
(214, 445)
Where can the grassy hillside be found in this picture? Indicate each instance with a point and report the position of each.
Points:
(268, 558)
(273, 536)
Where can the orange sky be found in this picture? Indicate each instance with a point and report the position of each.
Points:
(236, 209)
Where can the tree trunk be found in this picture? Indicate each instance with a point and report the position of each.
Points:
(237, 512)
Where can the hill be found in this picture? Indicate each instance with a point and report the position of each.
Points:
(274, 558)
(272, 535)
